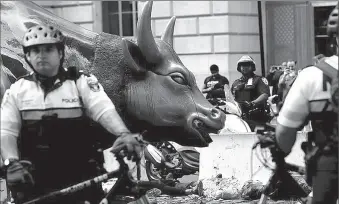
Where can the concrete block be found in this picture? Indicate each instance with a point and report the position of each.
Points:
(199, 65)
(243, 24)
(77, 13)
(196, 44)
(50, 10)
(60, 3)
(244, 43)
(153, 28)
(187, 8)
(57, 11)
(161, 9)
(220, 6)
(160, 26)
(184, 26)
(246, 7)
(88, 26)
(230, 155)
(213, 24)
(3, 190)
(221, 43)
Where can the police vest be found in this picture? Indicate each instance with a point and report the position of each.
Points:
(325, 125)
(54, 127)
(246, 90)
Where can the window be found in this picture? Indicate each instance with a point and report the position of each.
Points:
(322, 41)
(119, 17)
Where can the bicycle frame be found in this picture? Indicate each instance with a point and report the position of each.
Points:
(281, 179)
(123, 168)
(289, 187)
(125, 185)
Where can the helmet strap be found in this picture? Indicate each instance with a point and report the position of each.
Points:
(248, 75)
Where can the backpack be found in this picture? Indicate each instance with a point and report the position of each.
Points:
(331, 74)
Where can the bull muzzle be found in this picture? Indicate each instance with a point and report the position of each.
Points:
(204, 123)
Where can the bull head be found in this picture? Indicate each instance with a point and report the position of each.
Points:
(146, 80)
(165, 92)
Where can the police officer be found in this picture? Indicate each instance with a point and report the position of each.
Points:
(43, 121)
(309, 98)
(251, 92)
(214, 85)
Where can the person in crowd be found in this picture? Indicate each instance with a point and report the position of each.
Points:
(314, 97)
(274, 76)
(251, 92)
(286, 80)
(214, 84)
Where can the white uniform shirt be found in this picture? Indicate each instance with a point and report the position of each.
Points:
(306, 95)
(26, 100)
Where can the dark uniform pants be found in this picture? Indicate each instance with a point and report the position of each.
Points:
(325, 180)
(60, 155)
(49, 178)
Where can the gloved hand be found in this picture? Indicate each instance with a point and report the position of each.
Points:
(128, 142)
(272, 99)
(19, 178)
(248, 104)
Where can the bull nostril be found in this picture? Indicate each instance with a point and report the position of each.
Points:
(215, 113)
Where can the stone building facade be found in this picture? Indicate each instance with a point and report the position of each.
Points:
(212, 32)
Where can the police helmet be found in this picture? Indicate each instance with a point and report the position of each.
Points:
(41, 34)
(244, 60)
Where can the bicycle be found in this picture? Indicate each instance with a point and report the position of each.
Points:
(125, 185)
(281, 184)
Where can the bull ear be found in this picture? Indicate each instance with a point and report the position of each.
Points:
(134, 58)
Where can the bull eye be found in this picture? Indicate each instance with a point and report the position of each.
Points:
(178, 78)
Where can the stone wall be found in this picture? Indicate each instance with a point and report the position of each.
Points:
(206, 32)
(210, 32)
(78, 12)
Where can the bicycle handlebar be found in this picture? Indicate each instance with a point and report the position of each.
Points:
(266, 140)
(123, 168)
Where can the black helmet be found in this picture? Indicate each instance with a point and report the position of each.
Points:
(332, 23)
(245, 59)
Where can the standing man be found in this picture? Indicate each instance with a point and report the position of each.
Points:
(314, 96)
(286, 81)
(251, 92)
(44, 122)
(274, 76)
(214, 84)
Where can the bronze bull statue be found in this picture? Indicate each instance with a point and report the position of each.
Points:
(144, 78)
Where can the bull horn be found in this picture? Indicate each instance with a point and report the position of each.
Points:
(145, 37)
(168, 34)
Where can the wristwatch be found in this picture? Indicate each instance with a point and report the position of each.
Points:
(7, 162)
